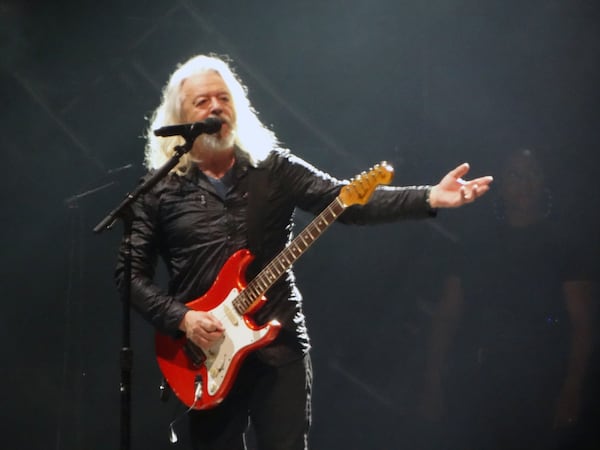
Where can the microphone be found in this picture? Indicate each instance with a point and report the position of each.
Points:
(191, 131)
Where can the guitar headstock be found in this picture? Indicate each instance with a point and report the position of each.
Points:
(361, 187)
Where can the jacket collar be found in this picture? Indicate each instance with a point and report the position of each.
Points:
(238, 170)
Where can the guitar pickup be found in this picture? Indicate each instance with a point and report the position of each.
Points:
(194, 354)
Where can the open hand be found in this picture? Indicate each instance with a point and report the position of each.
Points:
(453, 191)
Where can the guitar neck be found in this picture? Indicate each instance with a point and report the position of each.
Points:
(288, 256)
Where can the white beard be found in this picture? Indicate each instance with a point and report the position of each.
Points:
(215, 143)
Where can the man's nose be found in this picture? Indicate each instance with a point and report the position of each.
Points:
(216, 107)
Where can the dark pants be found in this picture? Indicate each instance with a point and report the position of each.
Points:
(275, 401)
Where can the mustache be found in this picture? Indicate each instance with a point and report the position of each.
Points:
(223, 119)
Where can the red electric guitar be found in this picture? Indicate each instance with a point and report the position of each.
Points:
(202, 377)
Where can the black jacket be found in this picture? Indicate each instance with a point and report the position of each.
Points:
(194, 230)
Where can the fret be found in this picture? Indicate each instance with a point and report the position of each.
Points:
(328, 216)
(270, 275)
(252, 298)
(253, 293)
(239, 304)
(304, 242)
(276, 272)
(248, 300)
(262, 284)
(315, 229)
(282, 266)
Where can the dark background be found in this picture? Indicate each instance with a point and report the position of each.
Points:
(345, 84)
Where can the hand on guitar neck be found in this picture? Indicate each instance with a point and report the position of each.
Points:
(202, 328)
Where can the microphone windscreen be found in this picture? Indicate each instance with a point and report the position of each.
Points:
(212, 125)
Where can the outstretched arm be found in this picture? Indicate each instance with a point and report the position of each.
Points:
(452, 191)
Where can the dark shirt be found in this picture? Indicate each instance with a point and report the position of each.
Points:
(185, 221)
(515, 321)
(515, 287)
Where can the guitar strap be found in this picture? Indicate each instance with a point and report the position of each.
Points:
(258, 181)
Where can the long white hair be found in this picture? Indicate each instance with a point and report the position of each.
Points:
(251, 135)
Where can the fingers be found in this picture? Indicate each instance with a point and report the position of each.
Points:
(454, 184)
(460, 171)
(472, 191)
(204, 328)
(210, 323)
(482, 190)
(482, 181)
(206, 339)
(205, 321)
(465, 195)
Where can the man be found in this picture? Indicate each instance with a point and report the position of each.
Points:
(238, 189)
(512, 335)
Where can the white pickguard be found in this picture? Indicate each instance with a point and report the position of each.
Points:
(237, 336)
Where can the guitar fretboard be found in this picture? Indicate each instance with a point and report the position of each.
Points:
(284, 260)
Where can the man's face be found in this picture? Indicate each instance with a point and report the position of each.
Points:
(206, 95)
(522, 182)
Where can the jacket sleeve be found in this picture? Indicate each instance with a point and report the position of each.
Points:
(314, 190)
(147, 298)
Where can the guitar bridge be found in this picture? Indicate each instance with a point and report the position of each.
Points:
(194, 353)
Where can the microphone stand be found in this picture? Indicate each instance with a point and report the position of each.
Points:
(124, 213)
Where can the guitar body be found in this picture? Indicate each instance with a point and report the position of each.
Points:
(202, 379)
